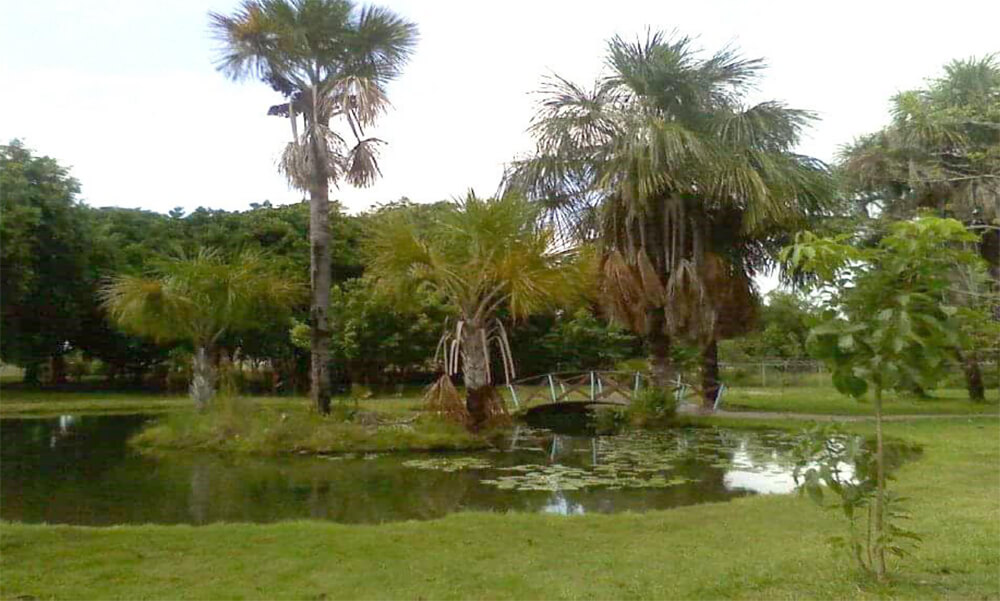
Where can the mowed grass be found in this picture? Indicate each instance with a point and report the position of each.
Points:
(19, 402)
(765, 547)
(826, 400)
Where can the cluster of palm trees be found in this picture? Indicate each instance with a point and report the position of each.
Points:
(684, 191)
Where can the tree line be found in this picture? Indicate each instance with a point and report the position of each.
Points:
(655, 195)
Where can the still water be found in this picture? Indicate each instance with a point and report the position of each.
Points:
(80, 470)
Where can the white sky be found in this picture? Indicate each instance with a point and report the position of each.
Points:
(126, 93)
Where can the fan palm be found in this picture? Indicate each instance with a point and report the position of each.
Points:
(197, 300)
(941, 152)
(687, 191)
(482, 256)
(331, 61)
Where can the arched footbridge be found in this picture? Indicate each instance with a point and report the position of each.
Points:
(569, 389)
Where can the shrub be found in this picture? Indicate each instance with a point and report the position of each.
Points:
(652, 406)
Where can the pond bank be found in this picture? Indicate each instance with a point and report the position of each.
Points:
(757, 547)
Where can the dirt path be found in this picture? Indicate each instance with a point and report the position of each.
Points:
(830, 418)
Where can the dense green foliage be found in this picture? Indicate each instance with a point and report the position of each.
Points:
(43, 256)
(889, 318)
(374, 340)
(783, 324)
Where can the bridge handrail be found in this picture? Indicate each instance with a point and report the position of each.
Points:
(580, 373)
(681, 388)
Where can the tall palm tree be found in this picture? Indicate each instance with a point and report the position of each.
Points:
(197, 300)
(688, 191)
(331, 61)
(940, 152)
(482, 256)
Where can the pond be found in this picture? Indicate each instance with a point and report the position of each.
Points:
(80, 470)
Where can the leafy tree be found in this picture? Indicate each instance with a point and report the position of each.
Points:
(783, 325)
(582, 342)
(481, 256)
(43, 257)
(197, 300)
(375, 338)
(688, 191)
(330, 61)
(890, 321)
(940, 152)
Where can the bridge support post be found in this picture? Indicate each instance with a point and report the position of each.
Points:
(513, 396)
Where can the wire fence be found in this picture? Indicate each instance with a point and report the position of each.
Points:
(782, 373)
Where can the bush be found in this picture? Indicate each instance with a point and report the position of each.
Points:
(652, 406)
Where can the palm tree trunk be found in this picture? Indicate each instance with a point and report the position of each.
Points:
(57, 370)
(32, 373)
(710, 374)
(660, 366)
(201, 388)
(321, 266)
(973, 375)
(481, 400)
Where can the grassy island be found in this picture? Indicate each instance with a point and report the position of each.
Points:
(246, 426)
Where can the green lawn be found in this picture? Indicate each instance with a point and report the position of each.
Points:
(16, 402)
(826, 400)
(43, 403)
(765, 547)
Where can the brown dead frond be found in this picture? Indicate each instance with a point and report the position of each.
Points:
(731, 293)
(651, 286)
(622, 292)
(442, 398)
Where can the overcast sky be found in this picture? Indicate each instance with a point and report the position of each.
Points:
(127, 95)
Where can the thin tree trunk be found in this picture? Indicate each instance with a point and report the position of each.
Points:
(481, 400)
(660, 366)
(201, 389)
(57, 370)
(879, 488)
(31, 374)
(710, 374)
(321, 266)
(973, 375)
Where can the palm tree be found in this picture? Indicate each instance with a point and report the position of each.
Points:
(687, 191)
(330, 60)
(940, 152)
(197, 300)
(483, 257)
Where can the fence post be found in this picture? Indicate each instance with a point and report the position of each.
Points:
(591, 385)
(763, 375)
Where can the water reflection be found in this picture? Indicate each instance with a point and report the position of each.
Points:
(88, 475)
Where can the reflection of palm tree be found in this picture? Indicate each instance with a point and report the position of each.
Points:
(200, 499)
